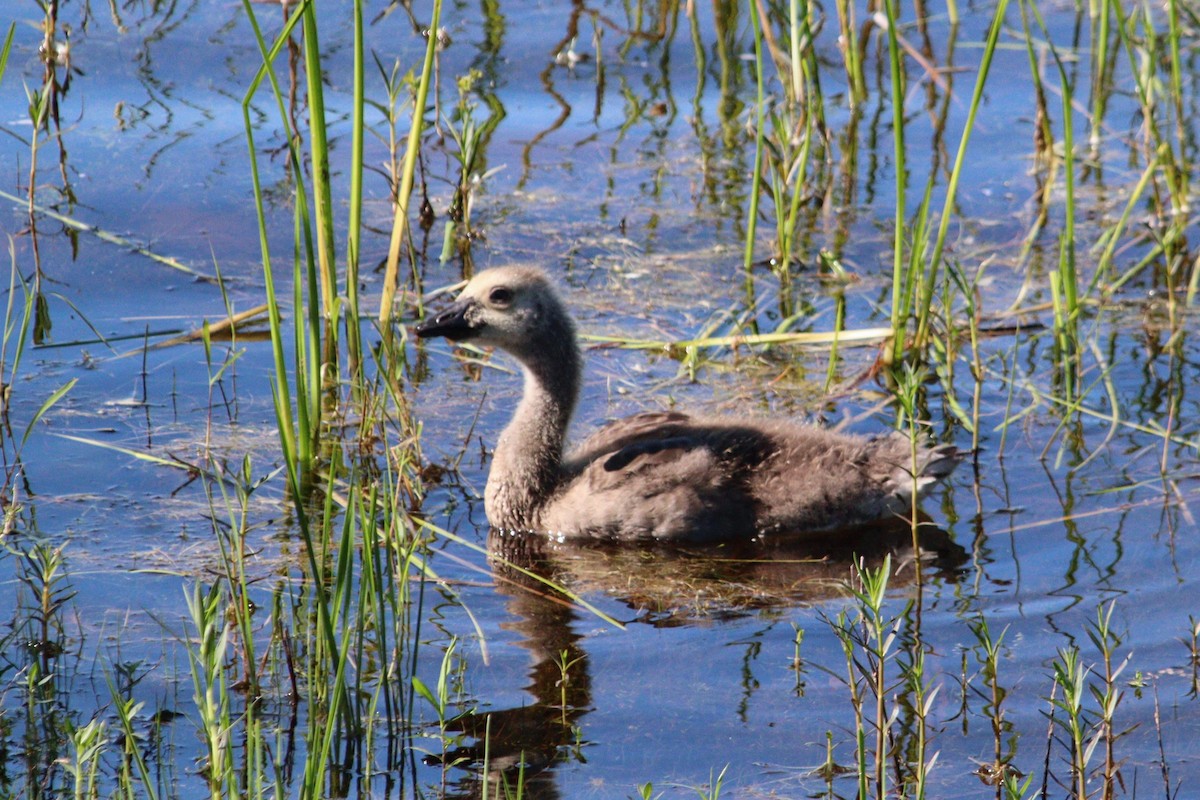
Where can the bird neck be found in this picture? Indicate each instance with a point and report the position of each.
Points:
(527, 464)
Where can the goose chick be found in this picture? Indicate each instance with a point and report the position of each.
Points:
(662, 475)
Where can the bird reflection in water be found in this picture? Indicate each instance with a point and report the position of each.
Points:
(660, 585)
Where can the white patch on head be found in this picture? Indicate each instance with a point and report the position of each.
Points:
(509, 308)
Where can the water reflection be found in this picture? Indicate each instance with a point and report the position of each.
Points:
(666, 585)
(663, 586)
(520, 744)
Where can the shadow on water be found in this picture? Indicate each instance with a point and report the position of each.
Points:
(668, 585)
(665, 586)
(521, 743)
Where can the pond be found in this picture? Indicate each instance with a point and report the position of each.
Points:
(198, 603)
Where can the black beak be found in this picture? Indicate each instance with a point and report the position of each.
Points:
(451, 323)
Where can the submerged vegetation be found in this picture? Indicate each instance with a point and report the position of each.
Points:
(329, 643)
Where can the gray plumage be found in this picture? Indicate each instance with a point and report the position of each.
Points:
(663, 475)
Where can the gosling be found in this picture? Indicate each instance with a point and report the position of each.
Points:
(663, 476)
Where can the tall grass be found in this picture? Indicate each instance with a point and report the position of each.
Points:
(1064, 278)
(336, 650)
(788, 133)
(349, 605)
(893, 690)
(37, 641)
(926, 263)
(400, 226)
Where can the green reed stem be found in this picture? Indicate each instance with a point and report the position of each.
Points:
(921, 696)
(319, 151)
(400, 223)
(989, 656)
(907, 392)
(127, 710)
(1108, 695)
(851, 54)
(1177, 95)
(759, 121)
(839, 325)
(306, 338)
(88, 744)
(209, 690)
(789, 130)
(935, 258)
(878, 647)
(1111, 237)
(1159, 147)
(796, 74)
(901, 303)
(1070, 676)
(234, 556)
(294, 451)
(354, 232)
(1101, 86)
(6, 48)
(1064, 280)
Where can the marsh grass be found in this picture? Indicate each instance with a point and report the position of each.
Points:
(788, 134)
(367, 600)
(469, 135)
(330, 661)
(988, 649)
(893, 684)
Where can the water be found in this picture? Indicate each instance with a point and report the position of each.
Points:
(627, 178)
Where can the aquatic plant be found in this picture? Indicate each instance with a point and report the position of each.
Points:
(317, 659)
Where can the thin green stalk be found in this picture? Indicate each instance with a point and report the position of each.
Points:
(839, 325)
(851, 55)
(907, 394)
(354, 232)
(995, 693)
(797, 73)
(900, 306)
(935, 258)
(1064, 280)
(756, 176)
(319, 150)
(293, 451)
(1158, 146)
(1177, 97)
(400, 223)
(921, 698)
(1108, 696)
(210, 692)
(814, 99)
(127, 710)
(1070, 676)
(234, 556)
(306, 339)
(88, 743)
(6, 48)
(1111, 237)
(878, 646)
(1100, 83)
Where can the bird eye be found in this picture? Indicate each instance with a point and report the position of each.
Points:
(500, 296)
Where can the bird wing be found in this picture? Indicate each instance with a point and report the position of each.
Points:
(635, 431)
(657, 475)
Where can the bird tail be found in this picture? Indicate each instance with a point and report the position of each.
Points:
(933, 464)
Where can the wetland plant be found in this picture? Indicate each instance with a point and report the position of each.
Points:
(468, 135)
(988, 649)
(333, 649)
(869, 639)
